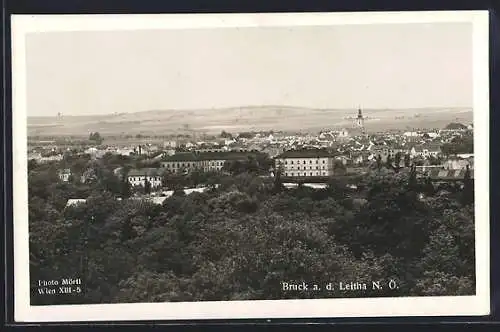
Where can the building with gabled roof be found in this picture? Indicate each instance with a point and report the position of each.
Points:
(444, 174)
(426, 150)
(64, 174)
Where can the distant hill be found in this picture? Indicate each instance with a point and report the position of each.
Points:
(241, 119)
(455, 126)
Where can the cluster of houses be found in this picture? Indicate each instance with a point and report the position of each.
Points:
(299, 155)
(293, 163)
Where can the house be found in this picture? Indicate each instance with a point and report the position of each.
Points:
(440, 174)
(153, 200)
(433, 135)
(34, 156)
(272, 151)
(359, 158)
(386, 151)
(64, 175)
(411, 134)
(170, 144)
(305, 163)
(75, 201)
(125, 151)
(465, 155)
(138, 177)
(425, 151)
(48, 159)
(343, 134)
(179, 162)
(432, 150)
(457, 164)
(344, 160)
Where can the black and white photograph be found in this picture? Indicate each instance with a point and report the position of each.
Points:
(204, 166)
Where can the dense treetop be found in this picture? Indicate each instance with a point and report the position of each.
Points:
(240, 240)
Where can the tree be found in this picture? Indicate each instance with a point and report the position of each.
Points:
(108, 181)
(339, 167)
(225, 134)
(147, 186)
(468, 190)
(407, 160)
(397, 159)
(95, 137)
(278, 182)
(412, 179)
(397, 162)
(429, 187)
(379, 161)
(126, 188)
(435, 161)
(32, 164)
(239, 241)
(389, 162)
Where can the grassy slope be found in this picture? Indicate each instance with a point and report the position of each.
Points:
(242, 119)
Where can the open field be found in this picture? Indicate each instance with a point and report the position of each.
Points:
(213, 121)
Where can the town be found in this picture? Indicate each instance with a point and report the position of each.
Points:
(153, 169)
(167, 221)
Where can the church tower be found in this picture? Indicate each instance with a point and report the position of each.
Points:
(360, 123)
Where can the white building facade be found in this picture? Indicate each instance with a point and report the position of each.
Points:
(305, 163)
(138, 177)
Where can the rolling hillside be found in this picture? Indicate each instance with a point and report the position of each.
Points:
(242, 119)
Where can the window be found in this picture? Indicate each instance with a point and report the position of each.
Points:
(311, 174)
(291, 174)
(291, 162)
(316, 161)
(317, 167)
(323, 161)
(286, 173)
(304, 162)
(298, 168)
(310, 161)
(286, 162)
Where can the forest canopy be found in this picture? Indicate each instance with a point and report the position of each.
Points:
(242, 239)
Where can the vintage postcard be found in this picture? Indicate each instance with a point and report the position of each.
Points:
(264, 166)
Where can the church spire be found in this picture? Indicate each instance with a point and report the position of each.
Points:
(360, 119)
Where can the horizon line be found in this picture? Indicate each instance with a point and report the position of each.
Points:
(251, 106)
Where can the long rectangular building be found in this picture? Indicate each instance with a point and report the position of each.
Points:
(305, 163)
(205, 161)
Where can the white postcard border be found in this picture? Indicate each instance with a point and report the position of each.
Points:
(359, 307)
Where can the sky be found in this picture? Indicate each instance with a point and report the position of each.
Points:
(343, 66)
